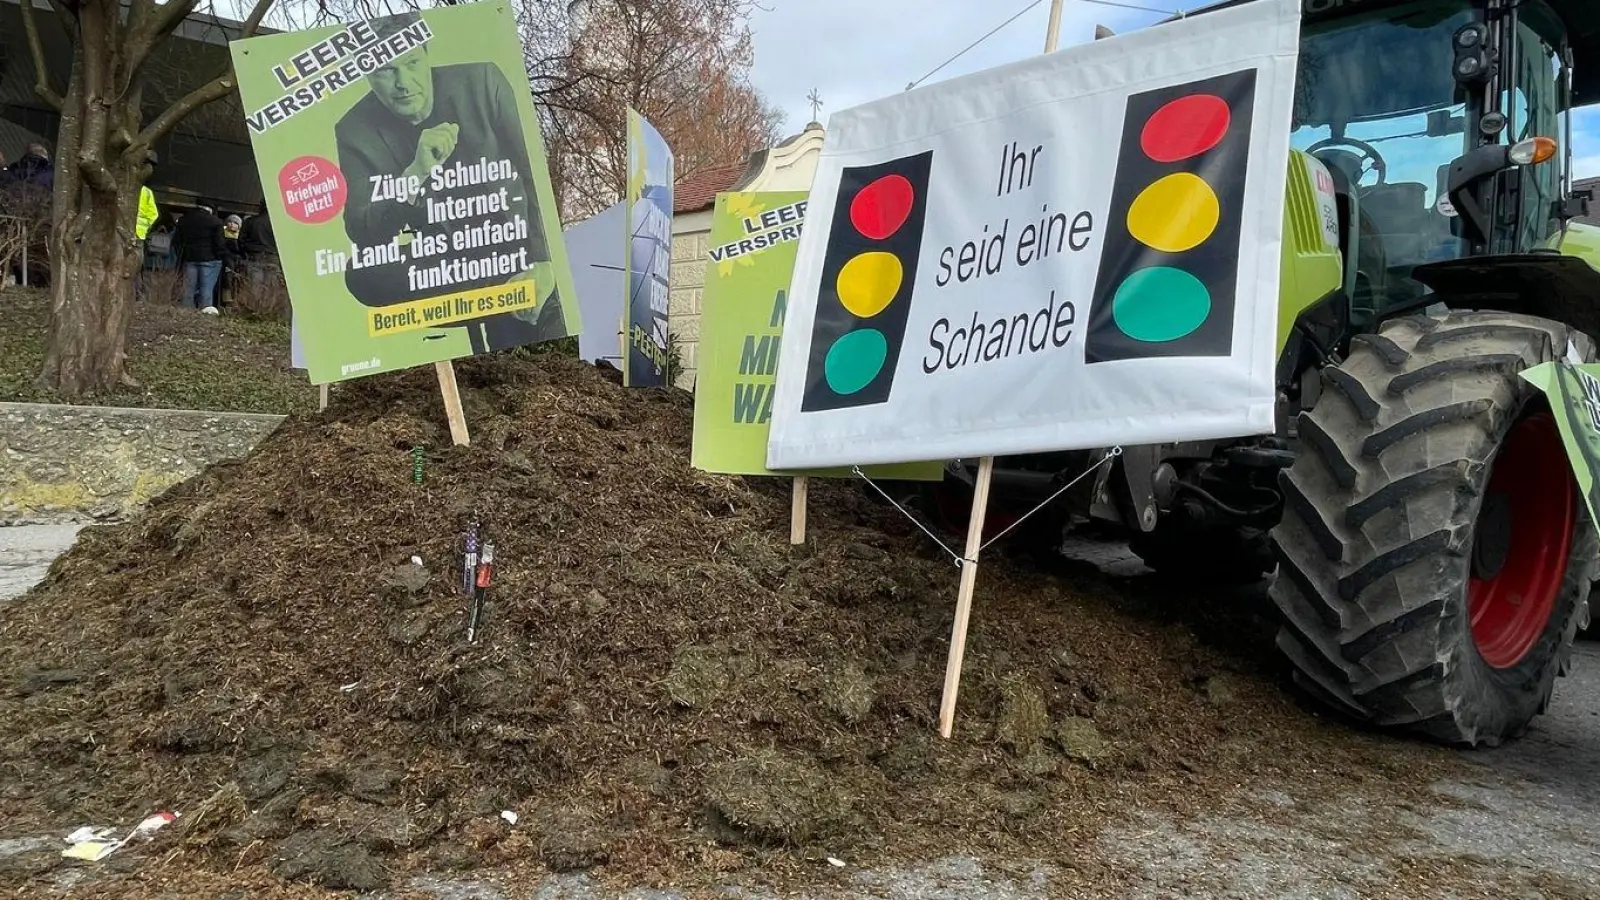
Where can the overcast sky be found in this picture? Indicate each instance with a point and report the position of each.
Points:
(853, 51)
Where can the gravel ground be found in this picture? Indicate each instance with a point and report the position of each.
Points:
(1520, 822)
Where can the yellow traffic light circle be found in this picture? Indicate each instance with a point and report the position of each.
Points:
(1175, 214)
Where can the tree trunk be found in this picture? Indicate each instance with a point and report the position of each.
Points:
(102, 159)
(96, 203)
(92, 267)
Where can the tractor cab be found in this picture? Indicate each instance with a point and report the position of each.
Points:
(1446, 125)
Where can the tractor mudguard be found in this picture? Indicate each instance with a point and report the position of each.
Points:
(1551, 286)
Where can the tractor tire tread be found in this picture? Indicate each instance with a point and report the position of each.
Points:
(1354, 392)
(1390, 352)
(1424, 422)
(1375, 543)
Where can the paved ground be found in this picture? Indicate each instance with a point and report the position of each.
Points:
(26, 552)
(1522, 826)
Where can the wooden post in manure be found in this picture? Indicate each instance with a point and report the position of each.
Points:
(797, 511)
(452, 402)
(322, 397)
(969, 580)
(980, 506)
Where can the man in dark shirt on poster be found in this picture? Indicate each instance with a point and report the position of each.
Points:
(483, 209)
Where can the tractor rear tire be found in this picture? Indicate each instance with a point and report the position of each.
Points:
(1435, 556)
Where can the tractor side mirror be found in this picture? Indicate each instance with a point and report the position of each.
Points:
(1442, 124)
(1575, 206)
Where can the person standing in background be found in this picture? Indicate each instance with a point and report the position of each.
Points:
(232, 260)
(202, 249)
(25, 193)
(259, 246)
(33, 169)
(147, 215)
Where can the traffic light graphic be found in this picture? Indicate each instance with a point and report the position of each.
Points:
(1169, 272)
(869, 268)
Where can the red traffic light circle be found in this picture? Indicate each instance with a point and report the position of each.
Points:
(1186, 127)
(882, 207)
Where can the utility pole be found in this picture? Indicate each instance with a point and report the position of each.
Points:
(1053, 36)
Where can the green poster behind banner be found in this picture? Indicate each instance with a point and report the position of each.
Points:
(406, 181)
(1574, 394)
(754, 237)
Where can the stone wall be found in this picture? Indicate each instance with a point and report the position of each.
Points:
(67, 463)
(688, 282)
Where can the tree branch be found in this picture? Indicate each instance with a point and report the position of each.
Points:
(164, 20)
(253, 22)
(215, 89)
(41, 75)
(98, 34)
(139, 13)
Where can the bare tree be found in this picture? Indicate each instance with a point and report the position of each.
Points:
(683, 64)
(101, 160)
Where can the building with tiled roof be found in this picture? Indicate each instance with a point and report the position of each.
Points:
(699, 191)
(789, 166)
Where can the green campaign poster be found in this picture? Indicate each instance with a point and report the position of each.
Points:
(754, 237)
(406, 181)
(1574, 394)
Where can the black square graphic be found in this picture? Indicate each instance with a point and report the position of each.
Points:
(880, 209)
(1172, 296)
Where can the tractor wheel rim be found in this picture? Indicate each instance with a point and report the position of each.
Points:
(1511, 609)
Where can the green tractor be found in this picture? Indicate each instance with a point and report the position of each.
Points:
(1433, 557)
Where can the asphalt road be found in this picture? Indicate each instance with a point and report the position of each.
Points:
(1521, 824)
(26, 552)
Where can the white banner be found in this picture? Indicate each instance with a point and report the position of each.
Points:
(1075, 251)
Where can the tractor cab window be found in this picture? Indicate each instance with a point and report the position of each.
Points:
(1534, 107)
(1377, 102)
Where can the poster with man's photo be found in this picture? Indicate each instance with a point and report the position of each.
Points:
(405, 173)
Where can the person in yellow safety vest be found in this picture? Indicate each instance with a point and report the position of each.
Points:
(148, 213)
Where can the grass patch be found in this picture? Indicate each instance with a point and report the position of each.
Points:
(181, 358)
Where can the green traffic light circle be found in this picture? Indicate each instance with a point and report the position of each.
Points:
(1160, 304)
(855, 360)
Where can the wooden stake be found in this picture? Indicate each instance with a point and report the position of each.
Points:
(452, 402)
(969, 579)
(322, 397)
(1053, 36)
(797, 511)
